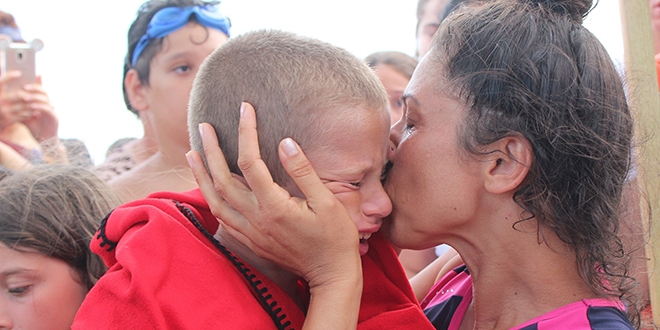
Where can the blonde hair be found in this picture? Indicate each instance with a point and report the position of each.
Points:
(300, 87)
(55, 210)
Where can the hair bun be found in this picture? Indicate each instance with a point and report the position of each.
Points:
(575, 9)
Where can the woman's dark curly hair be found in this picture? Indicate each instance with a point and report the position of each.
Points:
(55, 210)
(529, 67)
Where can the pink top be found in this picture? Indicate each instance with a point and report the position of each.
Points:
(446, 303)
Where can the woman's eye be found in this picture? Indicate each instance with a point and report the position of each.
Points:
(399, 103)
(356, 184)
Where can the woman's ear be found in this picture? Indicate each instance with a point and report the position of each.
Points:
(135, 91)
(508, 164)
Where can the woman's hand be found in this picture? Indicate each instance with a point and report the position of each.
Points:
(314, 238)
(307, 237)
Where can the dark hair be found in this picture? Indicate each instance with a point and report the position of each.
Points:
(7, 19)
(139, 28)
(55, 210)
(399, 61)
(530, 68)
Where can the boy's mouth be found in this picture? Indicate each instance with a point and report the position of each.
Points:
(364, 237)
(364, 246)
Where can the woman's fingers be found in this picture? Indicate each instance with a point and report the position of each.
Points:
(254, 170)
(293, 159)
(302, 172)
(220, 184)
(314, 238)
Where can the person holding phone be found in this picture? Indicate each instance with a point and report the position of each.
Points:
(28, 123)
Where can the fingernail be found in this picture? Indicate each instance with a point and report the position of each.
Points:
(289, 147)
(191, 161)
(201, 131)
(242, 110)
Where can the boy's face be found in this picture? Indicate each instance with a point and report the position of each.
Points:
(173, 70)
(351, 163)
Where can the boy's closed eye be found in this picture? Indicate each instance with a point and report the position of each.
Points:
(339, 186)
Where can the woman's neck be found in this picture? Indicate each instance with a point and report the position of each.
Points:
(517, 270)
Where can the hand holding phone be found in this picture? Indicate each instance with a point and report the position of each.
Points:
(22, 98)
(19, 57)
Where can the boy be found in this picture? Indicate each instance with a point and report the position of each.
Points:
(166, 267)
(167, 43)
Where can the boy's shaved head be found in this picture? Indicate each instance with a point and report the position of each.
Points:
(300, 87)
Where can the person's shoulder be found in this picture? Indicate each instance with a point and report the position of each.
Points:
(587, 314)
(607, 314)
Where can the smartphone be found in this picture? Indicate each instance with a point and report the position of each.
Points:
(21, 57)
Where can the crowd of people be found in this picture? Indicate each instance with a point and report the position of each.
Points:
(487, 182)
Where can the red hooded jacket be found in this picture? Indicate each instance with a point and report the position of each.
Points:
(167, 271)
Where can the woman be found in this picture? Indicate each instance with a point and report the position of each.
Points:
(513, 149)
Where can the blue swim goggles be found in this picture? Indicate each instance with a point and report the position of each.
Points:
(170, 19)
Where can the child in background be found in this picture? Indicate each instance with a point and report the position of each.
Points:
(48, 216)
(168, 41)
(394, 69)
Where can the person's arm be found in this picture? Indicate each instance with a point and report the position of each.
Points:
(313, 237)
(31, 106)
(11, 159)
(43, 122)
(414, 261)
(424, 280)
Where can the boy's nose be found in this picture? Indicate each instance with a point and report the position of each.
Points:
(379, 204)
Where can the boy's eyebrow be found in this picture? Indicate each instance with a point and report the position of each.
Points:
(356, 169)
(176, 55)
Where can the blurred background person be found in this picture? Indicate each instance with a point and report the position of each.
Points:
(167, 43)
(28, 123)
(394, 70)
(48, 217)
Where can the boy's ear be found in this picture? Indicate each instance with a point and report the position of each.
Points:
(508, 164)
(135, 91)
